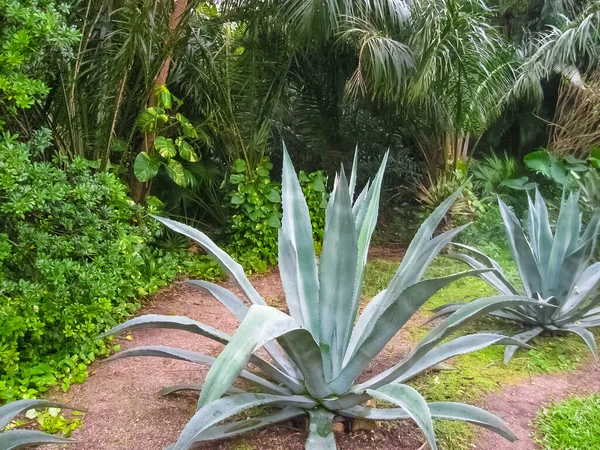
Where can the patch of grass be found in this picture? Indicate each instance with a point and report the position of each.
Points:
(570, 425)
(243, 444)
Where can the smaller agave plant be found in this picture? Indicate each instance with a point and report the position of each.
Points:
(17, 439)
(555, 267)
(320, 349)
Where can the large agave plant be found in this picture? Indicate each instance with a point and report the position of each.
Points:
(17, 439)
(322, 347)
(555, 268)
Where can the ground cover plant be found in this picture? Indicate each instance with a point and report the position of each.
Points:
(76, 256)
(325, 351)
(18, 439)
(554, 267)
(571, 424)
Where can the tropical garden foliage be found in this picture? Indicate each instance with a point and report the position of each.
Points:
(113, 111)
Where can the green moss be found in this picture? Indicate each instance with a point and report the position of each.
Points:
(242, 444)
(571, 424)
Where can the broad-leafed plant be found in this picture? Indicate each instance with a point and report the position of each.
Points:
(323, 347)
(555, 267)
(16, 439)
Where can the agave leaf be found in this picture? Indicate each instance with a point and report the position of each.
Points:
(365, 225)
(239, 309)
(470, 311)
(261, 325)
(524, 337)
(11, 410)
(439, 410)
(231, 301)
(412, 402)
(402, 280)
(471, 414)
(161, 351)
(170, 322)
(337, 268)
(18, 439)
(494, 279)
(588, 282)
(297, 258)
(233, 269)
(357, 206)
(540, 232)
(243, 426)
(221, 409)
(385, 326)
(521, 251)
(353, 173)
(458, 346)
(192, 387)
(587, 336)
(565, 242)
(320, 431)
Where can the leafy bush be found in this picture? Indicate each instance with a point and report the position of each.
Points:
(498, 175)
(570, 424)
(15, 439)
(314, 189)
(554, 265)
(255, 201)
(74, 260)
(33, 33)
(325, 349)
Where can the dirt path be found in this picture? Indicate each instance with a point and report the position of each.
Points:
(518, 405)
(124, 411)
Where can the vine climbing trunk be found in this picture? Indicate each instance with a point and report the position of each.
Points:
(141, 190)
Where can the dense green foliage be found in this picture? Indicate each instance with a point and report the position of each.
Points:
(571, 424)
(33, 34)
(75, 257)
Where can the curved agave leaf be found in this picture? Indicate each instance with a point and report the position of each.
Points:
(402, 280)
(19, 439)
(192, 387)
(261, 325)
(337, 273)
(170, 322)
(297, 258)
(320, 430)
(232, 268)
(458, 346)
(9, 411)
(587, 336)
(521, 251)
(412, 402)
(470, 311)
(160, 351)
(388, 323)
(494, 278)
(221, 409)
(588, 283)
(438, 410)
(237, 307)
(243, 426)
(524, 337)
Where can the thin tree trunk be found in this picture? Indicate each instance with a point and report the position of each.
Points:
(139, 190)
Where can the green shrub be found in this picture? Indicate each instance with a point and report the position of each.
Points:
(74, 260)
(570, 425)
(255, 203)
(314, 189)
